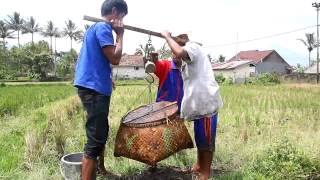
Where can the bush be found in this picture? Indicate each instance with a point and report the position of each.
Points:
(219, 78)
(282, 161)
(264, 79)
(33, 76)
(268, 78)
(222, 80)
(228, 81)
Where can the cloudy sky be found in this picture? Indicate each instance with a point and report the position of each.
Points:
(218, 24)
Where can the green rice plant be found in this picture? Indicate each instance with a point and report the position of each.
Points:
(17, 99)
(283, 160)
(252, 120)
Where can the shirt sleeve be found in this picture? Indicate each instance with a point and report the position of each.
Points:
(162, 69)
(192, 50)
(104, 34)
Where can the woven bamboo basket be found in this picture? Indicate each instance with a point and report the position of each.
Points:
(152, 133)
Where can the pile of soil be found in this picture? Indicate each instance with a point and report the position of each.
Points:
(159, 173)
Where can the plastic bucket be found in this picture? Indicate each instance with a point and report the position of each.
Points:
(70, 166)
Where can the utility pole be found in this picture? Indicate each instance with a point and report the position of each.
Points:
(317, 6)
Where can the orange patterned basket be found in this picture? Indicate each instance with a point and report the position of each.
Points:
(152, 133)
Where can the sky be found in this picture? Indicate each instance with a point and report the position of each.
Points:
(220, 25)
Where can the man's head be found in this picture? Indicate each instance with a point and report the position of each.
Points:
(181, 39)
(114, 9)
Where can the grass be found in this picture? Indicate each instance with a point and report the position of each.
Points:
(253, 120)
(17, 99)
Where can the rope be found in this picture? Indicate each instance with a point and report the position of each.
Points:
(150, 80)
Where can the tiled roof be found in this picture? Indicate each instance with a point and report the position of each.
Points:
(253, 55)
(229, 65)
(131, 60)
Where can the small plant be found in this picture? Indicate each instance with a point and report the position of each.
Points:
(282, 161)
(264, 79)
(220, 78)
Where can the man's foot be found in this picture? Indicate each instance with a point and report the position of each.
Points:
(195, 168)
(102, 171)
(203, 176)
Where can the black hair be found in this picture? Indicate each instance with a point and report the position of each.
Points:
(107, 6)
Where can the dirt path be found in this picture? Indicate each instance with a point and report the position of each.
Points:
(161, 173)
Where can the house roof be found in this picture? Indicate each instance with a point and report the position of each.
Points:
(131, 60)
(253, 55)
(230, 64)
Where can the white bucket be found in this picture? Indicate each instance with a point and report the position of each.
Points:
(70, 166)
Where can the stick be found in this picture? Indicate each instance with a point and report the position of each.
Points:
(131, 28)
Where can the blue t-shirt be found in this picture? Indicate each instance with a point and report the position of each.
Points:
(93, 69)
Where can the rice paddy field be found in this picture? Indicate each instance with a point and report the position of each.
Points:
(264, 132)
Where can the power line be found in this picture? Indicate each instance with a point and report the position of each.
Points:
(260, 38)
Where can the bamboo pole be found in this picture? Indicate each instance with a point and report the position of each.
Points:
(131, 28)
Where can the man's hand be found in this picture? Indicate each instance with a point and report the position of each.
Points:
(117, 26)
(166, 34)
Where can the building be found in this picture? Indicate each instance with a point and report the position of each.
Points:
(130, 67)
(236, 70)
(268, 61)
(250, 63)
(312, 69)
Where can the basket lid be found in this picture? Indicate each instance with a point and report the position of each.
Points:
(151, 113)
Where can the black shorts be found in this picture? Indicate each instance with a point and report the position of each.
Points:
(97, 127)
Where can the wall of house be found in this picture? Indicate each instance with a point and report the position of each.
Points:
(128, 72)
(238, 74)
(312, 69)
(273, 64)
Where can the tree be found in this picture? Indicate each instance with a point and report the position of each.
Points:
(5, 32)
(57, 34)
(37, 58)
(71, 30)
(143, 50)
(31, 26)
(80, 36)
(86, 26)
(66, 63)
(309, 43)
(299, 68)
(165, 52)
(15, 23)
(221, 58)
(49, 31)
(210, 58)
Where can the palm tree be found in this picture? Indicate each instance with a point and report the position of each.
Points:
(221, 58)
(144, 50)
(80, 36)
(164, 52)
(309, 43)
(15, 23)
(71, 30)
(49, 31)
(57, 34)
(86, 27)
(5, 32)
(31, 26)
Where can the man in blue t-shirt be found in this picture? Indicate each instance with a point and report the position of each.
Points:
(93, 78)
